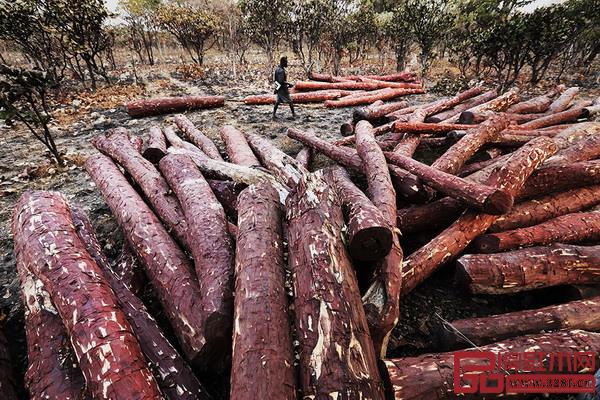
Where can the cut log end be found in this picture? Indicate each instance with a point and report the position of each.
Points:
(499, 202)
(371, 244)
(346, 129)
(487, 244)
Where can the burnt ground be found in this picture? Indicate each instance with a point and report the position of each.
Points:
(80, 115)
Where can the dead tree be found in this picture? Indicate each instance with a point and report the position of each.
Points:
(192, 134)
(262, 342)
(108, 352)
(172, 373)
(165, 264)
(166, 105)
(563, 101)
(156, 146)
(387, 94)
(335, 347)
(528, 269)
(448, 115)
(304, 157)
(237, 147)
(213, 253)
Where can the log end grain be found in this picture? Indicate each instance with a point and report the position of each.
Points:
(487, 244)
(499, 202)
(371, 244)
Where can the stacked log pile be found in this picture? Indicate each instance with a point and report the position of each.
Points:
(291, 279)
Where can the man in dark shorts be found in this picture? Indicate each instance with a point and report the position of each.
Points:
(282, 87)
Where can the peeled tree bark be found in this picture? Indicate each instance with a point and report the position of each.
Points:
(192, 134)
(382, 299)
(173, 375)
(448, 115)
(213, 253)
(237, 147)
(581, 314)
(156, 146)
(148, 178)
(449, 243)
(263, 360)
(336, 353)
(108, 352)
(569, 228)
(528, 269)
(367, 98)
(431, 376)
(349, 85)
(165, 264)
(167, 105)
(318, 96)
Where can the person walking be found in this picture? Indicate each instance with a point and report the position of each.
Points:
(282, 87)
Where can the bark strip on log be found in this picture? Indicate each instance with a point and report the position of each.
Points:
(448, 115)
(166, 105)
(336, 353)
(237, 147)
(156, 146)
(108, 352)
(262, 342)
(193, 134)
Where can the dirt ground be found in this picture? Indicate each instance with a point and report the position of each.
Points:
(81, 115)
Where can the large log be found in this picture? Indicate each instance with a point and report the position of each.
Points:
(108, 352)
(166, 105)
(367, 99)
(449, 243)
(482, 197)
(172, 373)
(527, 269)
(237, 147)
(148, 178)
(262, 342)
(315, 76)
(336, 353)
(572, 114)
(563, 101)
(213, 253)
(538, 210)
(580, 314)
(431, 376)
(537, 104)
(448, 115)
(349, 85)
(156, 147)
(193, 134)
(568, 228)
(165, 264)
(318, 96)
(381, 301)
(558, 178)
(374, 112)
(500, 103)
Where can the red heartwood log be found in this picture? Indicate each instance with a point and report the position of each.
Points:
(192, 134)
(367, 98)
(213, 253)
(154, 186)
(237, 147)
(318, 96)
(174, 376)
(431, 376)
(166, 105)
(558, 178)
(449, 243)
(304, 157)
(500, 103)
(580, 314)
(349, 85)
(527, 269)
(587, 148)
(156, 146)
(448, 115)
(263, 360)
(537, 104)
(315, 76)
(563, 101)
(53, 372)
(369, 233)
(569, 228)
(572, 114)
(538, 210)
(336, 353)
(375, 111)
(108, 352)
(165, 264)
(451, 102)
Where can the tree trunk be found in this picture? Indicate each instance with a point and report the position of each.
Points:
(563, 101)
(262, 342)
(237, 147)
(173, 375)
(166, 266)
(156, 146)
(528, 269)
(558, 178)
(308, 97)
(335, 348)
(537, 104)
(192, 134)
(304, 157)
(369, 98)
(448, 115)
(425, 127)
(500, 103)
(148, 178)
(167, 105)
(108, 352)
(350, 85)
(213, 253)
(373, 113)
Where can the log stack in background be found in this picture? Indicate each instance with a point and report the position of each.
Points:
(292, 280)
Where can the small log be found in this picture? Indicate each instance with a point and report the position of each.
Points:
(167, 105)
(451, 102)
(148, 178)
(424, 127)
(568, 228)
(129, 270)
(335, 348)
(500, 103)
(262, 342)
(449, 243)
(318, 96)
(350, 85)
(173, 375)
(569, 115)
(537, 104)
(108, 352)
(315, 76)
(192, 134)
(367, 99)
(535, 211)
(395, 77)
(448, 115)
(165, 264)
(581, 314)
(563, 101)
(558, 178)
(431, 376)
(528, 269)
(156, 146)
(226, 193)
(304, 157)
(213, 253)
(469, 117)
(374, 112)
